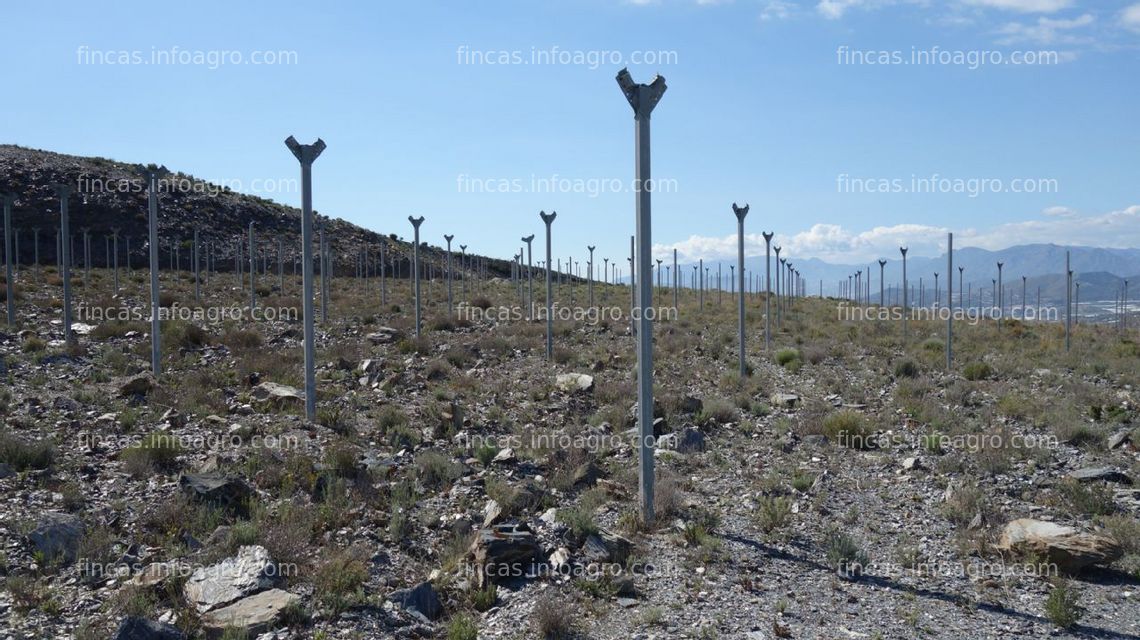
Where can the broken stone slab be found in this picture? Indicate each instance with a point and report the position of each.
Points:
(492, 513)
(384, 335)
(606, 546)
(216, 488)
(505, 456)
(574, 382)
(586, 475)
(1119, 438)
(248, 572)
(137, 386)
(421, 600)
(784, 400)
(57, 536)
(135, 628)
(1107, 474)
(504, 551)
(689, 440)
(278, 395)
(1066, 547)
(254, 614)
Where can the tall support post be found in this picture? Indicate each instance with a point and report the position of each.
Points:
(1068, 301)
(383, 279)
(529, 276)
(719, 284)
(416, 222)
(252, 270)
(659, 261)
(701, 280)
(127, 255)
(1023, 298)
(64, 192)
(590, 275)
(767, 280)
(197, 273)
(1076, 302)
(740, 213)
(949, 304)
(152, 174)
(1000, 293)
(115, 257)
(10, 288)
(450, 306)
(961, 270)
(882, 300)
(903, 250)
(643, 98)
(86, 256)
(306, 154)
(463, 269)
(36, 250)
(549, 302)
(281, 264)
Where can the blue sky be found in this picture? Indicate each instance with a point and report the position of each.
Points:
(769, 103)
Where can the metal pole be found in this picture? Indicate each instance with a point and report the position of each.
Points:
(675, 306)
(450, 307)
(1000, 293)
(197, 281)
(779, 316)
(306, 155)
(10, 289)
(949, 292)
(904, 293)
(633, 278)
(115, 257)
(740, 213)
(767, 283)
(548, 219)
(529, 277)
(590, 275)
(882, 265)
(64, 193)
(643, 98)
(152, 174)
(416, 222)
(252, 270)
(1068, 301)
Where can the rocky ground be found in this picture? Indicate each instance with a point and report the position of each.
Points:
(459, 485)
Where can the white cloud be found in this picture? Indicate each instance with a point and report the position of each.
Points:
(836, 244)
(1045, 30)
(1059, 212)
(776, 10)
(1023, 6)
(1130, 17)
(834, 9)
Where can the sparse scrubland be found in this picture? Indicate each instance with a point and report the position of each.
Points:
(851, 486)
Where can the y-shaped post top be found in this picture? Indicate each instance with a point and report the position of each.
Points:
(903, 251)
(547, 218)
(642, 97)
(416, 222)
(527, 239)
(882, 263)
(305, 153)
(740, 211)
(463, 248)
(448, 238)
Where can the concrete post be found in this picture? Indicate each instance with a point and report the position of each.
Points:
(416, 222)
(949, 304)
(767, 283)
(643, 98)
(450, 305)
(903, 250)
(152, 174)
(252, 270)
(548, 219)
(306, 155)
(64, 193)
(740, 213)
(529, 276)
(10, 295)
